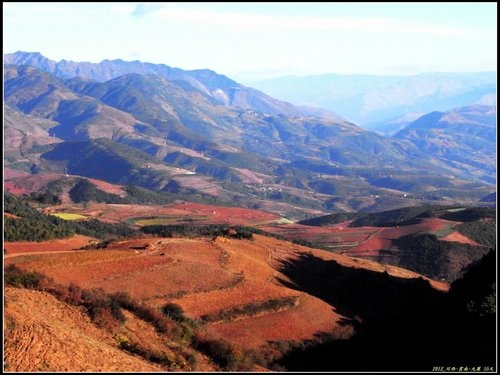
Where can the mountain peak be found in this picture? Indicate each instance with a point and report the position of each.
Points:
(24, 58)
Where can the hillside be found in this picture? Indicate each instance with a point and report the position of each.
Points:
(44, 334)
(241, 295)
(464, 137)
(466, 332)
(262, 297)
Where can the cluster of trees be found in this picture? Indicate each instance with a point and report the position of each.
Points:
(214, 230)
(427, 255)
(31, 225)
(330, 219)
(19, 278)
(402, 216)
(85, 191)
(397, 217)
(470, 214)
(230, 358)
(17, 206)
(41, 228)
(46, 198)
(99, 229)
(483, 232)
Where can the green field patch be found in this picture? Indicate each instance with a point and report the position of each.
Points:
(456, 209)
(68, 216)
(284, 221)
(343, 244)
(443, 232)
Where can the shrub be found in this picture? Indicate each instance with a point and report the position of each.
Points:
(15, 276)
(153, 316)
(220, 351)
(252, 308)
(102, 309)
(148, 354)
(215, 230)
(174, 312)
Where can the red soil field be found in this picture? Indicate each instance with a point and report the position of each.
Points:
(458, 237)
(144, 274)
(66, 244)
(198, 213)
(9, 173)
(361, 241)
(231, 215)
(108, 188)
(198, 304)
(206, 276)
(311, 317)
(12, 188)
(383, 239)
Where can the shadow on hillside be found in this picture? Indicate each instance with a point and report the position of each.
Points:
(400, 324)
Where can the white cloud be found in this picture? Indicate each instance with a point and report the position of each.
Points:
(266, 23)
(146, 8)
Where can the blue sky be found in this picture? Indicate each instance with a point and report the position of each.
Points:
(259, 40)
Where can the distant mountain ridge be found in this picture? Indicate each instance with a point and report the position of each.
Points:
(218, 86)
(464, 136)
(370, 101)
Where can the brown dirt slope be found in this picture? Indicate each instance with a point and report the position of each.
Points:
(44, 334)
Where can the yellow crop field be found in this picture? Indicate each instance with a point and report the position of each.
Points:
(67, 216)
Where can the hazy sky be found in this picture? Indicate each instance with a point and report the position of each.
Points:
(260, 40)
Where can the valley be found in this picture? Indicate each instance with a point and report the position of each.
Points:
(159, 219)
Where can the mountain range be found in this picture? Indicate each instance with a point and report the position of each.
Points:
(201, 133)
(223, 89)
(373, 101)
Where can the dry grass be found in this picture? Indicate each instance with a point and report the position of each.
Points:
(44, 334)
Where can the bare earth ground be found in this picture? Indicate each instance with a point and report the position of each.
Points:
(10, 173)
(44, 334)
(72, 243)
(458, 237)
